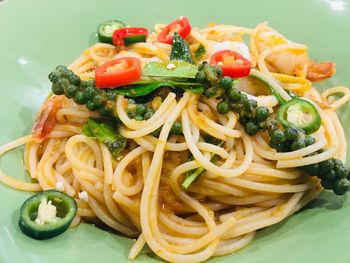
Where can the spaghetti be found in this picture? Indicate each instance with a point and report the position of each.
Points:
(249, 187)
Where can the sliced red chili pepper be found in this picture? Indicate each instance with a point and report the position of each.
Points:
(118, 72)
(136, 34)
(231, 63)
(181, 26)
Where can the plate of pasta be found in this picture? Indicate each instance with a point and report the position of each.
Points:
(182, 139)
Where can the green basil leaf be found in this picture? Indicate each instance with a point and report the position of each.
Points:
(180, 49)
(134, 91)
(87, 131)
(195, 89)
(106, 132)
(139, 90)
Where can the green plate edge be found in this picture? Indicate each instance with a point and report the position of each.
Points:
(37, 35)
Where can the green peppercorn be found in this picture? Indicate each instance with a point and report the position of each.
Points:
(243, 120)
(89, 92)
(340, 171)
(176, 128)
(330, 175)
(271, 124)
(253, 104)
(156, 132)
(111, 95)
(57, 89)
(62, 68)
(236, 107)
(218, 71)
(87, 83)
(341, 186)
(309, 140)
(54, 76)
(138, 118)
(70, 91)
(105, 111)
(63, 83)
(98, 101)
(262, 125)
(278, 146)
(234, 94)
(148, 114)
(200, 77)
(91, 105)
(73, 79)
(244, 99)
(247, 104)
(291, 134)
(226, 82)
(337, 162)
(251, 128)
(131, 113)
(210, 92)
(277, 136)
(141, 109)
(326, 166)
(262, 113)
(312, 169)
(297, 144)
(326, 184)
(223, 107)
(79, 98)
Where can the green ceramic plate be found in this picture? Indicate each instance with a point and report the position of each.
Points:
(37, 35)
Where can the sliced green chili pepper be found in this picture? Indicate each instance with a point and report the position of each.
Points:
(301, 114)
(106, 29)
(47, 214)
(272, 84)
(129, 40)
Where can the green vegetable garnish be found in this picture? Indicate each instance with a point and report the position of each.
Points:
(172, 69)
(269, 83)
(301, 114)
(106, 29)
(200, 52)
(47, 214)
(106, 132)
(138, 89)
(194, 174)
(180, 49)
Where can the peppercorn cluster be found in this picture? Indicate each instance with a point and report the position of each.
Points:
(333, 174)
(251, 116)
(139, 111)
(290, 139)
(64, 81)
